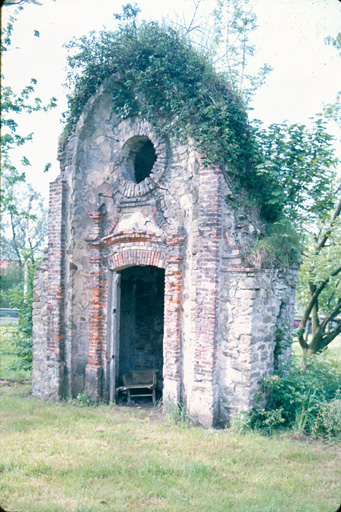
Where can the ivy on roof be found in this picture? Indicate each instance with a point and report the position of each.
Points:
(154, 72)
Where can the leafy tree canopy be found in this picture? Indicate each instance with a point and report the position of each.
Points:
(303, 163)
(24, 220)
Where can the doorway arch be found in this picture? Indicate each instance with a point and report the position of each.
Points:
(139, 326)
(103, 358)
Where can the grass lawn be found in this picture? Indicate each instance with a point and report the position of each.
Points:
(333, 350)
(64, 457)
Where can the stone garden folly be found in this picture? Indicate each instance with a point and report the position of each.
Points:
(145, 270)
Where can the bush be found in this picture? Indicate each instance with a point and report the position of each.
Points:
(328, 420)
(83, 399)
(10, 278)
(302, 398)
(20, 342)
(278, 246)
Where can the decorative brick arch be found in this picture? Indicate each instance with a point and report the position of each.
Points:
(120, 260)
(164, 256)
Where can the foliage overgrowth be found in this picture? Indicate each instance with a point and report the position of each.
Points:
(154, 72)
(306, 399)
(278, 245)
(20, 342)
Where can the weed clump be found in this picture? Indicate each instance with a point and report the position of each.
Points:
(83, 399)
(305, 399)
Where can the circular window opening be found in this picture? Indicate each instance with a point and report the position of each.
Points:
(144, 160)
(139, 157)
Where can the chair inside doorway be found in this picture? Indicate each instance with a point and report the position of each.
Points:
(139, 384)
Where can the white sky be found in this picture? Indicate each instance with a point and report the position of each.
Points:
(290, 38)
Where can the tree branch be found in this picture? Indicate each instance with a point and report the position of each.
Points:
(331, 335)
(331, 316)
(321, 243)
(191, 26)
(314, 298)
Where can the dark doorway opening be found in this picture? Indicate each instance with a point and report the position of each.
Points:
(141, 320)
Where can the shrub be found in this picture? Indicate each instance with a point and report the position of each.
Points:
(328, 420)
(305, 398)
(83, 399)
(20, 342)
(279, 245)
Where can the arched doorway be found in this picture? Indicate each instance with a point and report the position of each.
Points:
(139, 323)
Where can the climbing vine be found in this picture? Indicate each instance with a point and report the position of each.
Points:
(152, 71)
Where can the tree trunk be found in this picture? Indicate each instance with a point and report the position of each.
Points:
(316, 343)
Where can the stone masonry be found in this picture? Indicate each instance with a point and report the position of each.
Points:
(128, 198)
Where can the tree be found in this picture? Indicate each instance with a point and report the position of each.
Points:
(235, 23)
(226, 37)
(319, 286)
(24, 219)
(10, 278)
(23, 224)
(303, 163)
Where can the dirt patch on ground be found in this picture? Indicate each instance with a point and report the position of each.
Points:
(6, 382)
(144, 409)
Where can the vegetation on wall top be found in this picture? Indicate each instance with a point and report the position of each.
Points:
(154, 72)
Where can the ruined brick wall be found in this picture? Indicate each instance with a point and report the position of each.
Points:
(220, 317)
(48, 312)
(40, 304)
(253, 305)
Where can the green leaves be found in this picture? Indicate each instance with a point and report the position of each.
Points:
(279, 246)
(21, 339)
(302, 163)
(300, 398)
(152, 71)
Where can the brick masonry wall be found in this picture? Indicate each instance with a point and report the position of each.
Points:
(253, 305)
(49, 365)
(220, 317)
(202, 399)
(40, 386)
